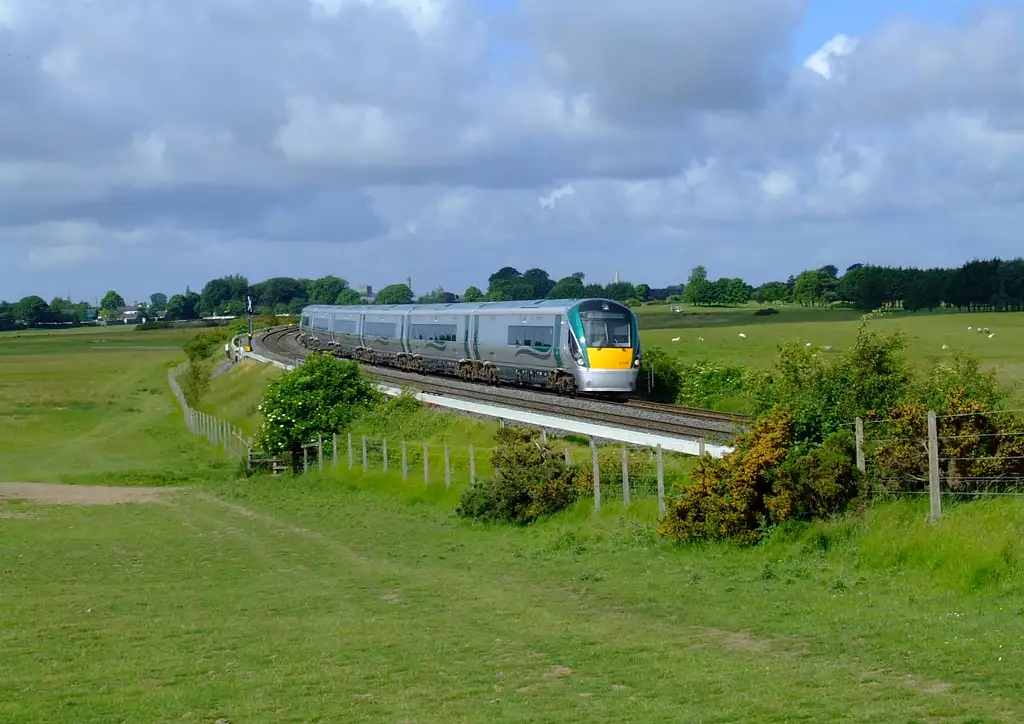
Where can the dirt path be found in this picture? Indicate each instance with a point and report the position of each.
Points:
(56, 493)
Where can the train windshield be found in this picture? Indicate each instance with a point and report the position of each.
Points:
(606, 325)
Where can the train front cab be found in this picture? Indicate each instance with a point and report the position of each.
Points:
(605, 342)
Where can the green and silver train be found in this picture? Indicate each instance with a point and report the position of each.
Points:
(567, 345)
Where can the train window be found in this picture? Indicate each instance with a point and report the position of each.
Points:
(344, 326)
(607, 329)
(529, 336)
(384, 330)
(321, 323)
(433, 332)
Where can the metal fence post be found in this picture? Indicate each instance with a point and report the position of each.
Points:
(597, 475)
(366, 463)
(859, 430)
(350, 451)
(625, 476)
(447, 468)
(933, 467)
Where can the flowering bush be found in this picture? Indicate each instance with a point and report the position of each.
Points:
(322, 396)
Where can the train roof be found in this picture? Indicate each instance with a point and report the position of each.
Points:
(460, 307)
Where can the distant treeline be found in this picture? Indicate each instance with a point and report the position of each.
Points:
(993, 284)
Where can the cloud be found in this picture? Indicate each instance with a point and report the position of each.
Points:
(160, 144)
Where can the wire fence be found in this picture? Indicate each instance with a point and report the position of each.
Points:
(622, 472)
(218, 432)
(959, 455)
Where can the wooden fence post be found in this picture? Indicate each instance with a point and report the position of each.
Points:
(543, 435)
(384, 453)
(366, 463)
(597, 476)
(568, 459)
(661, 484)
(625, 476)
(405, 463)
(859, 433)
(933, 467)
(320, 453)
(334, 449)
(426, 465)
(472, 465)
(350, 451)
(701, 448)
(305, 459)
(447, 468)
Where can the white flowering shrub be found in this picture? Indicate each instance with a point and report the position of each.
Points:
(322, 396)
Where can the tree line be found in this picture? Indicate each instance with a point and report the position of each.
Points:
(978, 285)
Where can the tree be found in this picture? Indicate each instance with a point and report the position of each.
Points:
(473, 294)
(643, 292)
(698, 289)
(183, 306)
(112, 301)
(158, 302)
(774, 292)
(217, 291)
(395, 294)
(326, 289)
(32, 310)
(539, 281)
(620, 291)
(506, 272)
(570, 287)
(348, 297)
(319, 398)
(808, 288)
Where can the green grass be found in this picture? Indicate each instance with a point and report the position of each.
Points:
(305, 600)
(361, 597)
(716, 336)
(93, 405)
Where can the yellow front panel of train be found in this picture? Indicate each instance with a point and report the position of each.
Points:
(610, 358)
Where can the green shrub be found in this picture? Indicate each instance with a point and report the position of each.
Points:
(322, 396)
(204, 344)
(662, 372)
(194, 382)
(703, 383)
(530, 480)
(767, 311)
(765, 481)
(824, 395)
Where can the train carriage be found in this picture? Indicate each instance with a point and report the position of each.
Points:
(569, 345)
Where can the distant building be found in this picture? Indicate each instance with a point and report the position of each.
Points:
(366, 293)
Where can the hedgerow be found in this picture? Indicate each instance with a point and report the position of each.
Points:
(797, 462)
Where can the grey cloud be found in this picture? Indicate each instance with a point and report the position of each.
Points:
(656, 58)
(217, 126)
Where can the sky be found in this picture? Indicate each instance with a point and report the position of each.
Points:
(146, 146)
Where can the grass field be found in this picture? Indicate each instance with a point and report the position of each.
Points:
(714, 335)
(360, 598)
(93, 405)
(297, 601)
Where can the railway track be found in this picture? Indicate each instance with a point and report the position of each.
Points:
(640, 415)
